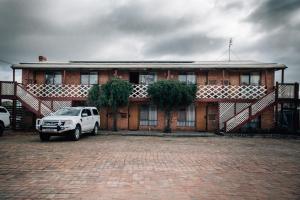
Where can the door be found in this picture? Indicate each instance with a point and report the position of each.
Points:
(133, 117)
(86, 120)
(212, 117)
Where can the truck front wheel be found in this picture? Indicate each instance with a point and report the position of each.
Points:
(76, 133)
(44, 137)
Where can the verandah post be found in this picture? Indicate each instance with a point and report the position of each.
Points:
(276, 105)
(296, 102)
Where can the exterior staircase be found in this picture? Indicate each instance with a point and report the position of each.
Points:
(15, 91)
(250, 112)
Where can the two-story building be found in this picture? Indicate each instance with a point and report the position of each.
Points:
(230, 95)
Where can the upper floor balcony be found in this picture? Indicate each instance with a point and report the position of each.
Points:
(204, 92)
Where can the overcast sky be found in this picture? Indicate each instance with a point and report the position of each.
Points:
(61, 30)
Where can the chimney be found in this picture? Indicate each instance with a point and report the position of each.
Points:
(42, 58)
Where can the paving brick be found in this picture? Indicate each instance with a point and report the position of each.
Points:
(119, 167)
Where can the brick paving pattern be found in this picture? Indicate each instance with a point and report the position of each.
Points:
(119, 167)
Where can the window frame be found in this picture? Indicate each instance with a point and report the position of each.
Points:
(249, 76)
(187, 74)
(89, 73)
(147, 74)
(186, 122)
(148, 120)
(52, 80)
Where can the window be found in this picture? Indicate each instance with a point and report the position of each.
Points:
(189, 78)
(3, 110)
(89, 78)
(53, 78)
(148, 115)
(95, 112)
(186, 116)
(250, 79)
(87, 111)
(146, 79)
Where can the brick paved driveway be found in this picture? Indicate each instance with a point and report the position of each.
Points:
(118, 167)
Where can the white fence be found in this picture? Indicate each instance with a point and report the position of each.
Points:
(140, 91)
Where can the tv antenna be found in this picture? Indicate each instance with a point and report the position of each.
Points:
(229, 46)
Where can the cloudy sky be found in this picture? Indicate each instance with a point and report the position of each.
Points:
(63, 30)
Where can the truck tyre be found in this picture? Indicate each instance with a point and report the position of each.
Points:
(44, 137)
(76, 133)
(95, 130)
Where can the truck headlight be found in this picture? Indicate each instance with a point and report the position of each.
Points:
(39, 122)
(67, 122)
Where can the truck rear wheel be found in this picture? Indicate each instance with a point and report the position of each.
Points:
(1, 129)
(44, 137)
(95, 130)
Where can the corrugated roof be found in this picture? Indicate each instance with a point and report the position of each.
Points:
(150, 64)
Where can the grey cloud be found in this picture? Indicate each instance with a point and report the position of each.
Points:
(28, 29)
(31, 28)
(282, 46)
(186, 44)
(230, 6)
(135, 18)
(274, 13)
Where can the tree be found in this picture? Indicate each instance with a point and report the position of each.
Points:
(169, 95)
(94, 96)
(113, 95)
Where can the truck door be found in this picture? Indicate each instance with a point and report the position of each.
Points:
(85, 125)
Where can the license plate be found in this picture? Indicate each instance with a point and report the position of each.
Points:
(49, 130)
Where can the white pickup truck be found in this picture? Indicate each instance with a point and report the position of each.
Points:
(4, 119)
(72, 121)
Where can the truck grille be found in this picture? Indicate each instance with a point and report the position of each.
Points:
(52, 123)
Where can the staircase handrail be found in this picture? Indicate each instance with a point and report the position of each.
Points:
(248, 107)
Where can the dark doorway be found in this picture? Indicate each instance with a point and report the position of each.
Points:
(134, 77)
(78, 103)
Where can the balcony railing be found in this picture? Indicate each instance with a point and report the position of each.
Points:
(45, 90)
(140, 91)
(230, 91)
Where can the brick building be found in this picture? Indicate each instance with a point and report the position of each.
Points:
(230, 95)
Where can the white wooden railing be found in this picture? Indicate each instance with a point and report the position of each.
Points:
(250, 112)
(45, 90)
(140, 91)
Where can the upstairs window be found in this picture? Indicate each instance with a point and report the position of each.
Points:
(186, 116)
(53, 78)
(89, 78)
(146, 79)
(250, 79)
(148, 115)
(188, 78)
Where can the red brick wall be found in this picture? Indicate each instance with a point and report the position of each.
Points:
(72, 77)
(40, 77)
(27, 76)
(267, 78)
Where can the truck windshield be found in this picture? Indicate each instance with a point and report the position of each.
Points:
(67, 112)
